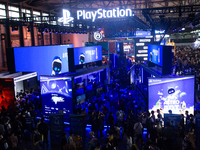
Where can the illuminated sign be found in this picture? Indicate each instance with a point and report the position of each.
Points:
(145, 40)
(98, 36)
(139, 44)
(143, 33)
(159, 31)
(66, 17)
(98, 14)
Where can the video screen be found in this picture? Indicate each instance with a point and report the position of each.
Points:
(83, 55)
(99, 91)
(155, 54)
(104, 45)
(80, 99)
(56, 93)
(128, 48)
(45, 60)
(176, 94)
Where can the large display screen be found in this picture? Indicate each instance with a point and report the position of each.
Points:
(56, 94)
(155, 54)
(83, 55)
(128, 48)
(45, 60)
(176, 94)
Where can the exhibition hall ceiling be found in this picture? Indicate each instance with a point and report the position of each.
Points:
(159, 14)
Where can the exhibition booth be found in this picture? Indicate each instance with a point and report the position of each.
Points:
(10, 84)
(70, 91)
(68, 76)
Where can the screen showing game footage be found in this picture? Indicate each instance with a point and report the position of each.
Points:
(56, 93)
(176, 94)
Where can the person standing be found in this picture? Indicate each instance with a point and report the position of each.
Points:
(64, 142)
(138, 131)
(43, 128)
(111, 121)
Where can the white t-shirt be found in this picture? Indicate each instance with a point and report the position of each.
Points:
(129, 143)
(138, 128)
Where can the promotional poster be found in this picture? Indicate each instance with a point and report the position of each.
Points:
(56, 93)
(176, 94)
(155, 54)
(83, 55)
(45, 60)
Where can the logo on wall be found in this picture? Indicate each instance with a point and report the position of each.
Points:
(98, 36)
(66, 17)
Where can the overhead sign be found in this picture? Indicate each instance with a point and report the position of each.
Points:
(98, 14)
(159, 31)
(142, 33)
(66, 17)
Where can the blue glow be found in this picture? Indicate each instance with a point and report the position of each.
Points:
(56, 94)
(155, 54)
(40, 59)
(84, 55)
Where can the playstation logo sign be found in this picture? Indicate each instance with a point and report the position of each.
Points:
(66, 17)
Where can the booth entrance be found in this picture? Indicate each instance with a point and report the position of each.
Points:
(10, 84)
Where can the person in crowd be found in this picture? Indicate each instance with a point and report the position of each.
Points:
(13, 140)
(36, 139)
(64, 141)
(153, 116)
(2, 130)
(167, 135)
(170, 111)
(138, 128)
(43, 129)
(98, 147)
(3, 143)
(92, 120)
(129, 142)
(111, 121)
(100, 123)
(71, 142)
(78, 140)
(38, 123)
(92, 141)
(187, 116)
(107, 145)
(159, 116)
(7, 126)
(180, 135)
(120, 116)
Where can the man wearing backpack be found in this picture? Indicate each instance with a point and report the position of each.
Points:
(43, 129)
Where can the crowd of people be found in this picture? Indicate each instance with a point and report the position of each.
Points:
(18, 123)
(186, 62)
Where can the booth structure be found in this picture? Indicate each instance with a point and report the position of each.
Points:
(69, 91)
(45, 60)
(10, 84)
